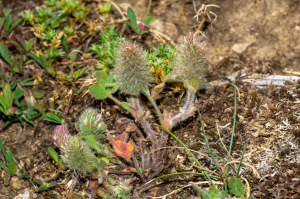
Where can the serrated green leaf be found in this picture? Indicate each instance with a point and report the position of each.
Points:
(98, 92)
(29, 44)
(4, 53)
(132, 18)
(101, 77)
(125, 105)
(148, 20)
(236, 187)
(7, 23)
(15, 24)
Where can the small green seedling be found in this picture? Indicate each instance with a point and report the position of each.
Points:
(56, 157)
(10, 166)
(5, 20)
(139, 28)
(43, 187)
(51, 117)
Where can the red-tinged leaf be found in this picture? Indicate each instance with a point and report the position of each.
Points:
(157, 89)
(122, 137)
(73, 195)
(123, 149)
(167, 123)
(102, 192)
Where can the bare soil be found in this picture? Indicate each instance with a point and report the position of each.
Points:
(268, 118)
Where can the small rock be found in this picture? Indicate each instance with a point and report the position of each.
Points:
(6, 178)
(124, 6)
(25, 195)
(16, 183)
(239, 48)
(166, 28)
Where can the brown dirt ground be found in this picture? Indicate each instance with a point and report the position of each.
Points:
(268, 118)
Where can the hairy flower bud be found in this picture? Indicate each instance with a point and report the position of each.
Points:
(132, 72)
(90, 123)
(190, 62)
(61, 136)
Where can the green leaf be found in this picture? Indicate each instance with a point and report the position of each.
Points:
(4, 53)
(125, 105)
(7, 23)
(7, 94)
(29, 44)
(236, 187)
(18, 93)
(36, 58)
(92, 143)
(106, 7)
(42, 188)
(132, 18)
(54, 155)
(2, 165)
(17, 44)
(37, 95)
(101, 77)
(12, 168)
(148, 20)
(15, 24)
(64, 43)
(4, 104)
(50, 117)
(98, 92)
(115, 88)
(73, 54)
(40, 109)
(38, 181)
(9, 157)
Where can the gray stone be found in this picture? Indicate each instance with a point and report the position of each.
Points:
(239, 48)
(166, 28)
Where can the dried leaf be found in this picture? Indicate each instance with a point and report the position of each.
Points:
(123, 149)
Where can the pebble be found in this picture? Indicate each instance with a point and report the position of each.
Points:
(6, 178)
(16, 183)
(25, 195)
(166, 28)
(239, 48)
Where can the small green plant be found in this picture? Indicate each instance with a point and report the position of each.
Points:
(13, 109)
(68, 30)
(43, 186)
(8, 165)
(139, 27)
(105, 51)
(5, 20)
(162, 61)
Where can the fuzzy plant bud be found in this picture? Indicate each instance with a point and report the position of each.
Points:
(132, 72)
(190, 63)
(61, 136)
(11, 110)
(77, 155)
(90, 123)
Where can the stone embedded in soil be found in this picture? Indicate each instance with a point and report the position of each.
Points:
(239, 48)
(25, 195)
(166, 28)
(16, 183)
(124, 6)
(6, 178)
